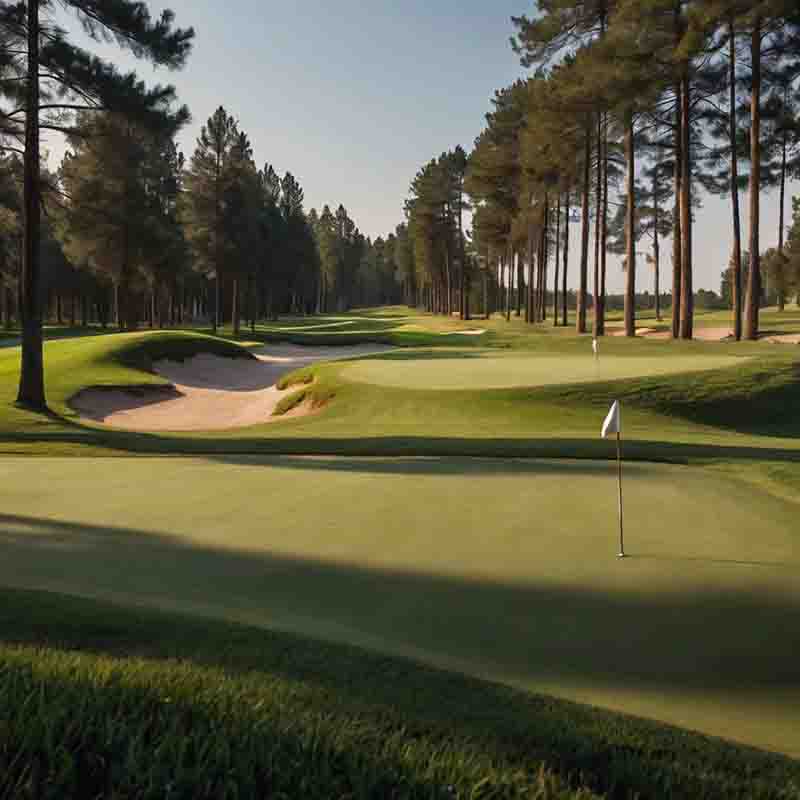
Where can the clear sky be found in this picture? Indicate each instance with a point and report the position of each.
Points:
(353, 97)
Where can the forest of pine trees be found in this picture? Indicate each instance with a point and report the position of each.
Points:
(128, 230)
(633, 109)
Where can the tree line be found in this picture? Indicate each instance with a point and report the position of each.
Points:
(632, 110)
(128, 231)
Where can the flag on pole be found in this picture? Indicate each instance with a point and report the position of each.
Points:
(595, 348)
(613, 423)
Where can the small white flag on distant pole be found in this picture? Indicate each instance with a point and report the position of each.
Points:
(595, 348)
(613, 425)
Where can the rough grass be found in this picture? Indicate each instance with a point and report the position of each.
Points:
(102, 701)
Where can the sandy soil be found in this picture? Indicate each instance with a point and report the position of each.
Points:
(712, 334)
(700, 334)
(468, 332)
(783, 338)
(639, 332)
(209, 392)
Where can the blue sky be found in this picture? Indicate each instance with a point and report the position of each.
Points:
(353, 96)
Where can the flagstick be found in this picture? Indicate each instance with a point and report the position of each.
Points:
(619, 483)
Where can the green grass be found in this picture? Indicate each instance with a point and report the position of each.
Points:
(486, 370)
(158, 705)
(744, 410)
(500, 568)
(505, 570)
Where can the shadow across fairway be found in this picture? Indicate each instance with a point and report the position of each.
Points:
(709, 639)
(261, 443)
(617, 755)
(433, 465)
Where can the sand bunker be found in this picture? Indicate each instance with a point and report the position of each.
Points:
(639, 331)
(468, 332)
(700, 334)
(783, 338)
(209, 392)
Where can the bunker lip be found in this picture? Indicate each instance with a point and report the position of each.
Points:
(209, 392)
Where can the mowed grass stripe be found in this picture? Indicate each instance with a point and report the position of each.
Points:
(502, 569)
(489, 370)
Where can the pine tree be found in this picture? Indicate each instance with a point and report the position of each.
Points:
(206, 182)
(113, 219)
(57, 77)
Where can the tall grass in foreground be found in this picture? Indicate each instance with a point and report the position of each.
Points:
(97, 701)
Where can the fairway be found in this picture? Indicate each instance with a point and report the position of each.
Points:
(503, 569)
(488, 370)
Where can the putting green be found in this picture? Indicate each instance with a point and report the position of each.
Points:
(492, 371)
(504, 569)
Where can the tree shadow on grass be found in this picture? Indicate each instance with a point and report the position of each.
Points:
(267, 444)
(711, 641)
(530, 632)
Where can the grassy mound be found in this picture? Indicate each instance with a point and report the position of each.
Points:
(142, 351)
(98, 700)
(743, 411)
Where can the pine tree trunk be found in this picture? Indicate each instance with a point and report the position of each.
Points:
(597, 211)
(510, 279)
(558, 259)
(545, 256)
(31, 382)
(580, 323)
(677, 233)
(566, 262)
(601, 325)
(656, 249)
(217, 316)
(687, 297)
(630, 229)
(73, 311)
(782, 201)
(736, 278)
(5, 303)
(59, 310)
(529, 292)
(752, 301)
(235, 307)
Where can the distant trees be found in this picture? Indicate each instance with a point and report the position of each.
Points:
(671, 96)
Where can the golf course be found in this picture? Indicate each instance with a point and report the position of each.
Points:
(424, 506)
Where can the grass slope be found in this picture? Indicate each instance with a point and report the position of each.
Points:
(502, 569)
(103, 701)
(739, 411)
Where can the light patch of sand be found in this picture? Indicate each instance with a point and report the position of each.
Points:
(712, 334)
(639, 332)
(783, 338)
(209, 392)
(469, 332)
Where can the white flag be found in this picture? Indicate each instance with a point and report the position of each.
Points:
(594, 347)
(613, 423)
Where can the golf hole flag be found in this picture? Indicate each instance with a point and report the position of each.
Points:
(613, 423)
(613, 426)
